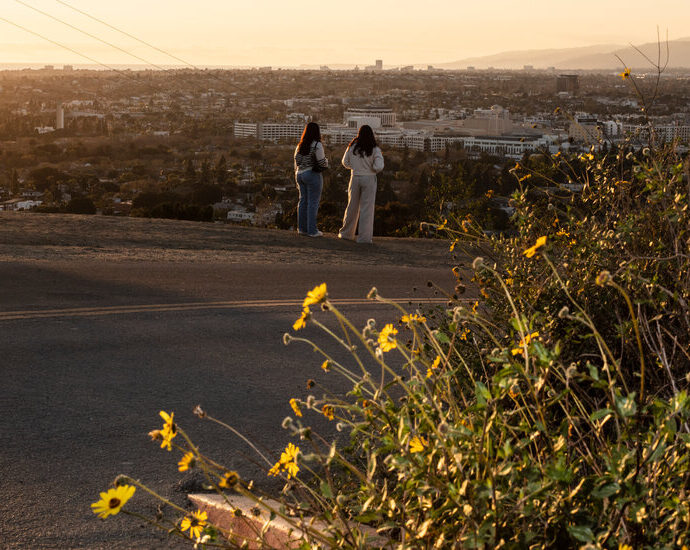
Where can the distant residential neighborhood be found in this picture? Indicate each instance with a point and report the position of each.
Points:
(217, 144)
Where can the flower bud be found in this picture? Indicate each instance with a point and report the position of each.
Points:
(603, 278)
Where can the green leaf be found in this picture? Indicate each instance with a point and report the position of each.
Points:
(326, 490)
(626, 405)
(482, 392)
(601, 413)
(441, 337)
(581, 533)
(593, 372)
(606, 490)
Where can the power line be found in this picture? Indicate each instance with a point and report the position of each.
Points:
(63, 46)
(148, 44)
(43, 37)
(88, 34)
(127, 34)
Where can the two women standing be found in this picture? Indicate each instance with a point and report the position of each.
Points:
(364, 159)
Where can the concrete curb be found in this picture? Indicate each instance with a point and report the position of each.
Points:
(245, 520)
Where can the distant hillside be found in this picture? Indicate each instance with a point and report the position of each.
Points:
(600, 57)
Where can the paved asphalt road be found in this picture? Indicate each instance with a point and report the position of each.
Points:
(92, 351)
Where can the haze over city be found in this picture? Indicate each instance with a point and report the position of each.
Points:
(278, 33)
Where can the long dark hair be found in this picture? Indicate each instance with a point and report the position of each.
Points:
(311, 133)
(365, 142)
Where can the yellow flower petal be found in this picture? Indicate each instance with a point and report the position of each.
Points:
(328, 411)
(531, 251)
(316, 295)
(418, 444)
(295, 406)
(112, 501)
(194, 523)
(387, 340)
(186, 462)
(302, 321)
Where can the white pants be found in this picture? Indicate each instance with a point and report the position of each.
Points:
(361, 198)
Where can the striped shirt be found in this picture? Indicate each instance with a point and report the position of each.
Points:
(306, 162)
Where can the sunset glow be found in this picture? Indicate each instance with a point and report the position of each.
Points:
(278, 33)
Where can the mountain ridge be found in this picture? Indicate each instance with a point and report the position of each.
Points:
(596, 57)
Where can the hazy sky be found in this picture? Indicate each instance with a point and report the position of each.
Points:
(282, 33)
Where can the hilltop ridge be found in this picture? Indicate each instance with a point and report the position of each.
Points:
(52, 237)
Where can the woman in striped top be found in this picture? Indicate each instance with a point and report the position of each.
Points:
(309, 155)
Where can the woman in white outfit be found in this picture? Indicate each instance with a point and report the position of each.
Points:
(364, 158)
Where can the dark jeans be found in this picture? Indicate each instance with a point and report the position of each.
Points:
(310, 184)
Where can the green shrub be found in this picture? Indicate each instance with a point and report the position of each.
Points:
(553, 414)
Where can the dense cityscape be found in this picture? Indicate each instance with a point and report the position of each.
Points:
(217, 145)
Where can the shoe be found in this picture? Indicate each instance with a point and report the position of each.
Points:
(317, 234)
(302, 232)
(344, 238)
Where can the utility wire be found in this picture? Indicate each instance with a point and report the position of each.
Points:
(63, 46)
(148, 44)
(43, 37)
(127, 34)
(88, 34)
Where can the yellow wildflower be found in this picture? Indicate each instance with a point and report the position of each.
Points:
(524, 342)
(452, 245)
(625, 74)
(433, 367)
(387, 340)
(195, 523)
(509, 281)
(287, 462)
(316, 295)
(326, 366)
(466, 225)
(626, 547)
(531, 251)
(489, 193)
(328, 411)
(418, 444)
(186, 462)
(229, 480)
(295, 406)
(475, 306)
(525, 177)
(302, 321)
(464, 334)
(443, 225)
(112, 501)
(413, 318)
(169, 430)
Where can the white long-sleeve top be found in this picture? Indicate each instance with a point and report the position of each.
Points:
(363, 165)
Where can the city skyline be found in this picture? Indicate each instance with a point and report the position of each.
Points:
(214, 32)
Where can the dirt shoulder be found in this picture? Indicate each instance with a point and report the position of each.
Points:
(26, 236)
